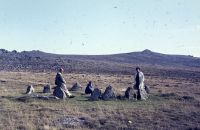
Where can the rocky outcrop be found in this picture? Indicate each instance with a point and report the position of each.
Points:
(59, 93)
(108, 94)
(47, 89)
(96, 94)
(76, 87)
(147, 89)
(131, 94)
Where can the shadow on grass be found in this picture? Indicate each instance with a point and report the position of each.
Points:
(83, 100)
(19, 98)
(7, 97)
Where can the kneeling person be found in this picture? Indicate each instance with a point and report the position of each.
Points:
(89, 88)
(60, 82)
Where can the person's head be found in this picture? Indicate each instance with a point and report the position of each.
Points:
(61, 70)
(90, 82)
(138, 69)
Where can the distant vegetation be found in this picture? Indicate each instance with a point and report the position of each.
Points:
(38, 61)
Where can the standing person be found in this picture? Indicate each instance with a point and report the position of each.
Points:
(139, 85)
(89, 88)
(60, 82)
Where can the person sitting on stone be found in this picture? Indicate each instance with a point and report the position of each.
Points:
(60, 82)
(139, 84)
(89, 88)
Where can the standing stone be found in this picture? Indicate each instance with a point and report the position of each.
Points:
(47, 89)
(143, 94)
(76, 87)
(30, 89)
(108, 94)
(59, 93)
(131, 94)
(147, 88)
(96, 94)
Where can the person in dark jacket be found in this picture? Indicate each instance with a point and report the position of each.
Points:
(60, 82)
(89, 88)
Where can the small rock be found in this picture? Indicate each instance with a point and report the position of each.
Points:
(30, 89)
(130, 122)
(76, 87)
(47, 89)
(59, 93)
(143, 94)
(108, 94)
(96, 94)
(131, 94)
(147, 88)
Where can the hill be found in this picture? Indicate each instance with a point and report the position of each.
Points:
(38, 61)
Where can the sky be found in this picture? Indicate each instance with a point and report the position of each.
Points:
(101, 26)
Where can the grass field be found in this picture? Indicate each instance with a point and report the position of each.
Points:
(174, 103)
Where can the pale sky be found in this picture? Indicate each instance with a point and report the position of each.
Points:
(101, 26)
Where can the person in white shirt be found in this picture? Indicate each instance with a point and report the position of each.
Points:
(139, 85)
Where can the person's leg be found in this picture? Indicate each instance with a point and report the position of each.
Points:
(138, 94)
(68, 93)
(64, 87)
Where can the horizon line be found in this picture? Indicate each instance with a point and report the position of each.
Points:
(145, 50)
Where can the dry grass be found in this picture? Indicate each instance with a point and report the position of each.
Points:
(166, 108)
